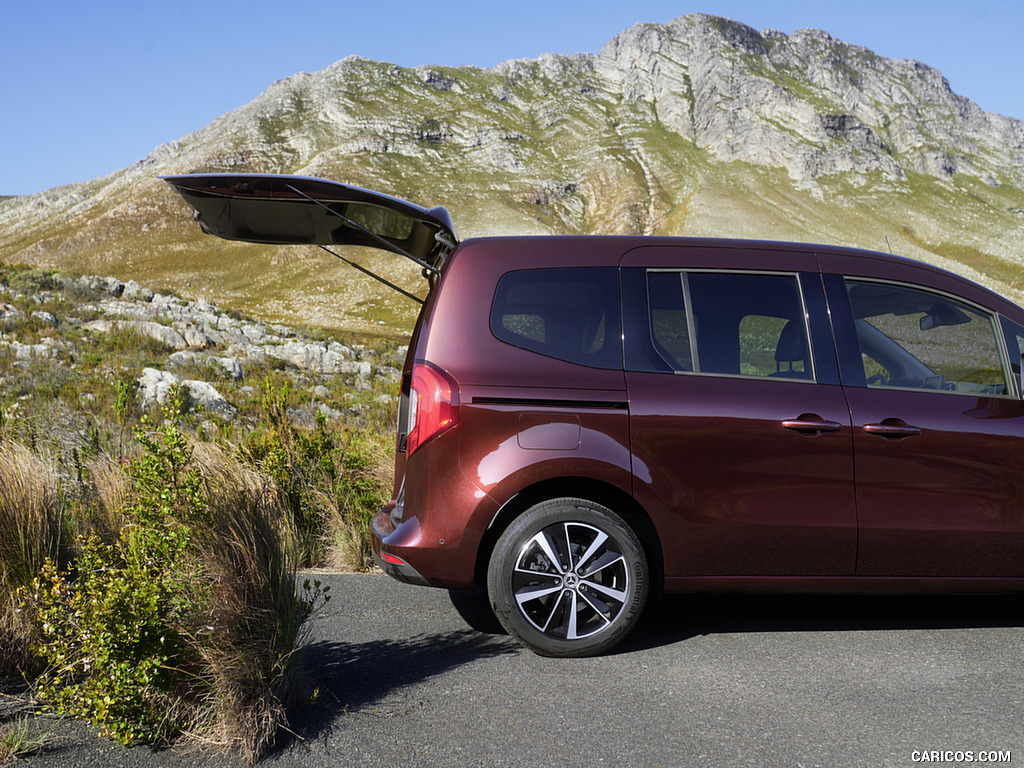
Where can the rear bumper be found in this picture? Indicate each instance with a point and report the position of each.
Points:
(437, 546)
(392, 564)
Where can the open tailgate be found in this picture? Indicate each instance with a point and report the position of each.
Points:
(298, 210)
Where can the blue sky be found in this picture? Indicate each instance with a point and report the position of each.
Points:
(87, 88)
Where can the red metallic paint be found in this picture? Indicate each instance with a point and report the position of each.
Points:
(946, 502)
(731, 490)
(737, 500)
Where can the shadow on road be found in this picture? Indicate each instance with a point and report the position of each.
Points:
(368, 677)
(348, 677)
(673, 618)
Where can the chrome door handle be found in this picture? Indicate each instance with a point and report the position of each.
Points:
(892, 430)
(812, 425)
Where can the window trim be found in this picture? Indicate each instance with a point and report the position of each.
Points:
(685, 273)
(1018, 384)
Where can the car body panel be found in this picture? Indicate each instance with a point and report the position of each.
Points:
(948, 501)
(493, 456)
(739, 494)
(443, 517)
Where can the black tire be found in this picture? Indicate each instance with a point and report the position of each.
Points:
(568, 578)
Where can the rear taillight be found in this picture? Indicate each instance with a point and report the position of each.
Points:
(433, 405)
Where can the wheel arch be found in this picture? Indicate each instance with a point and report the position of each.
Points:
(620, 502)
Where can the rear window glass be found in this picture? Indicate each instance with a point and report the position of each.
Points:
(379, 220)
(570, 314)
(736, 324)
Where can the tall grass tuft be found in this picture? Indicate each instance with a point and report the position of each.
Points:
(31, 532)
(249, 551)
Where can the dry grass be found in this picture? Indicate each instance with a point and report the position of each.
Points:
(110, 489)
(369, 470)
(248, 551)
(31, 530)
(21, 738)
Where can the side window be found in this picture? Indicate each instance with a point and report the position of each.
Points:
(751, 325)
(737, 324)
(570, 314)
(912, 338)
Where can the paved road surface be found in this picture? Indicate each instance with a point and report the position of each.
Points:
(705, 681)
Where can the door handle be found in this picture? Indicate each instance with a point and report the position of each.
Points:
(811, 424)
(892, 429)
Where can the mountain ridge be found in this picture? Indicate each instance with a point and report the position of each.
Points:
(701, 126)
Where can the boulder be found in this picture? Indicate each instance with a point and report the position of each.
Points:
(155, 385)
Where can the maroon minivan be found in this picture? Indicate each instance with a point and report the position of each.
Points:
(586, 419)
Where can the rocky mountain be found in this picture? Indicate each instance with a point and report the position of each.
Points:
(702, 126)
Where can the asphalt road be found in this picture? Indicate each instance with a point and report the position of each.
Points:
(405, 680)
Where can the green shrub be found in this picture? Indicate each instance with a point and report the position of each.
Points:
(300, 462)
(114, 632)
(28, 281)
(327, 477)
(189, 620)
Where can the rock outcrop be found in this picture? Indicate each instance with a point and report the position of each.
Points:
(198, 337)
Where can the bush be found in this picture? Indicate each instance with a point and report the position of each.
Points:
(189, 620)
(114, 632)
(327, 477)
(26, 280)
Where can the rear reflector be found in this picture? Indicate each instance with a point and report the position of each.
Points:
(387, 557)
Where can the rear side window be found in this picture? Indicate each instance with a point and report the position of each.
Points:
(569, 314)
(729, 323)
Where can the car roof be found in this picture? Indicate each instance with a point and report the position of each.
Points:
(607, 250)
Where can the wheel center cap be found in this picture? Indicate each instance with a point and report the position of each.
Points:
(570, 581)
